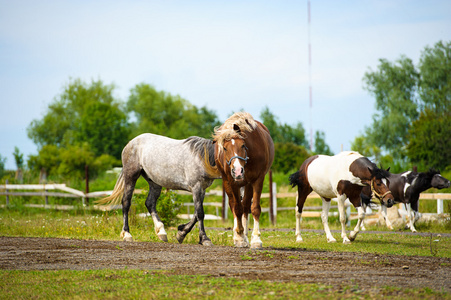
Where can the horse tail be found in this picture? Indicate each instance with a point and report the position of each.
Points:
(210, 167)
(116, 195)
(295, 179)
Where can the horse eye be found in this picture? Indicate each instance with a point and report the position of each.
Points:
(224, 148)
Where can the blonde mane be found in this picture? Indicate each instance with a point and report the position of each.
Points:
(226, 132)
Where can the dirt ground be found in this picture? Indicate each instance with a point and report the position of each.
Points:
(368, 271)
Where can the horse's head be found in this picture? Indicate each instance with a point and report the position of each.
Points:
(380, 186)
(235, 155)
(438, 181)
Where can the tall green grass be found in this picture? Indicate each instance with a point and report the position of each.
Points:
(142, 284)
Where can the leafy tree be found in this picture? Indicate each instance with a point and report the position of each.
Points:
(320, 144)
(435, 78)
(2, 166)
(430, 141)
(83, 123)
(394, 85)
(18, 158)
(162, 113)
(48, 159)
(104, 137)
(83, 113)
(288, 157)
(413, 106)
(283, 133)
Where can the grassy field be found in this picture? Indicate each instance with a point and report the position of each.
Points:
(82, 223)
(139, 284)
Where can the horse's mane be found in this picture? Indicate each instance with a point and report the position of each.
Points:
(424, 178)
(202, 147)
(379, 173)
(226, 131)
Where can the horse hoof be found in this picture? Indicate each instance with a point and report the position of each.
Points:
(299, 240)
(126, 236)
(331, 240)
(207, 243)
(163, 237)
(241, 244)
(347, 242)
(180, 237)
(256, 245)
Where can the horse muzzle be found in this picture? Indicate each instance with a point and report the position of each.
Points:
(390, 202)
(445, 185)
(238, 173)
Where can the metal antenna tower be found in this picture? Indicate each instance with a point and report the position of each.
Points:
(310, 75)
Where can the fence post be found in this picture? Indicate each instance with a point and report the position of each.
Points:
(225, 204)
(271, 208)
(439, 206)
(274, 201)
(7, 196)
(86, 199)
(45, 196)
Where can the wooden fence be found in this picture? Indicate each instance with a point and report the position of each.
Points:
(61, 190)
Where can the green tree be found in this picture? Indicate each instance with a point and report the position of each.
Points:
(394, 86)
(435, 78)
(83, 113)
(84, 119)
(18, 158)
(288, 157)
(320, 144)
(410, 102)
(430, 141)
(2, 166)
(283, 133)
(162, 113)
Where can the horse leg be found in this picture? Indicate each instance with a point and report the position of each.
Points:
(387, 220)
(239, 238)
(246, 200)
(362, 225)
(126, 203)
(341, 211)
(325, 220)
(414, 215)
(151, 204)
(301, 196)
(199, 215)
(257, 187)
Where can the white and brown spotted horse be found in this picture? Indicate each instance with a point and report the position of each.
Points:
(341, 176)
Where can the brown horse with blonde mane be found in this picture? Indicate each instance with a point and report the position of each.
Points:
(244, 152)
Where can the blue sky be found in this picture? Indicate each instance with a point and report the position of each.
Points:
(226, 55)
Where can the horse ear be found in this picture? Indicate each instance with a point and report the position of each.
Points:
(236, 128)
(388, 169)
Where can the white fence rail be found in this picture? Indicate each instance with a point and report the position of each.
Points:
(61, 190)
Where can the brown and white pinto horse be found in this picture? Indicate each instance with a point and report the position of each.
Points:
(244, 154)
(341, 176)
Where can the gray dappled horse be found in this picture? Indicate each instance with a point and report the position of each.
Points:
(169, 163)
